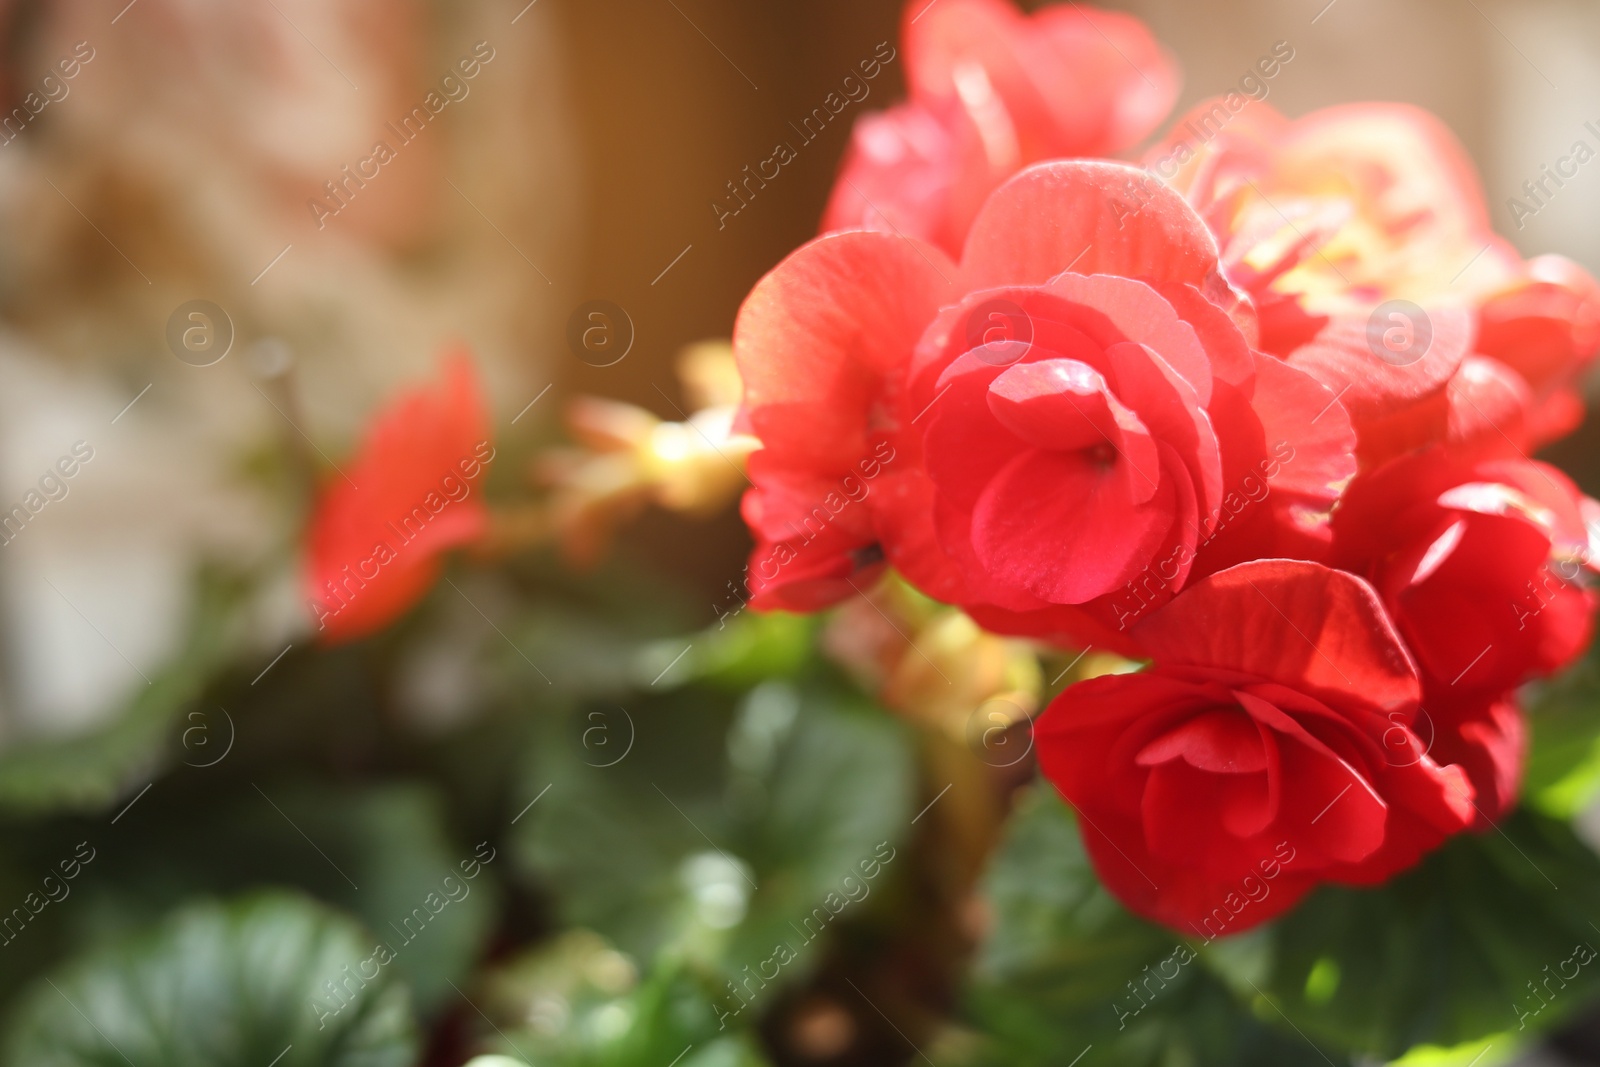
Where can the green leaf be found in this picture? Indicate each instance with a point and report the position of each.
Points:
(1052, 972)
(221, 985)
(546, 631)
(740, 652)
(88, 772)
(821, 791)
(1563, 773)
(396, 846)
(1449, 954)
(1055, 923)
(577, 1002)
(724, 828)
(1436, 966)
(603, 836)
(390, 841)
(742, 1050)
(1066, 968)
(1494, 1051)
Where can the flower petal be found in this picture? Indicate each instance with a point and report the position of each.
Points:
(817, 336)
(1090, 218)
(1310, 627)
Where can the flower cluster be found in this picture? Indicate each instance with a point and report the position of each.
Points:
(1260, 415)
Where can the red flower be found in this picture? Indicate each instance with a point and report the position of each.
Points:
(1544, 323)
(1480, 563)
(993, 90)
(1326, 219)
(916, 169)
(1270, 748)
(1487, 736)
(374, 545)
(1053, 434)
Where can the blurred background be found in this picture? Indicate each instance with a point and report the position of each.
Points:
(162, 152)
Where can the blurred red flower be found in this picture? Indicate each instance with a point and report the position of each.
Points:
(993, 90)
(374, 544)
(1270, 748)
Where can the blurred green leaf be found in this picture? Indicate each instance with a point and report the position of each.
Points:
(551, 631)
(821, 792)
(739, 652)
(1066, 968)
(1054, 922)
(1491, 1052)
(221, 985)
(602, 834)
(390, 841)
(1440, 963)
(1054, 969)
(1563, 773)
(716, 829)
(1477, 941)
(88, 772)
(577, 1002)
